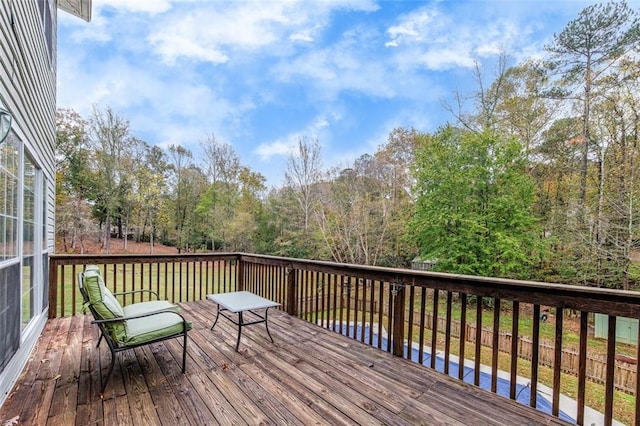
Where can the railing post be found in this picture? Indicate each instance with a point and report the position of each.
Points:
(397, 291)
(291, 291)
(53, 288)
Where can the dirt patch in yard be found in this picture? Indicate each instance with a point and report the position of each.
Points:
(117, 247)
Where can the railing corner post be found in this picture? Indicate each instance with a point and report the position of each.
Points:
(53, 289)
(291, 291)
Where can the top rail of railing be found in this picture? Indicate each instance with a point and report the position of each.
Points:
(580, 298)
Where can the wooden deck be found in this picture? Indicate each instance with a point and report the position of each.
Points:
(308, 376)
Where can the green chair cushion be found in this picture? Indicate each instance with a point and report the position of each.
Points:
(146, 329)
(141, 308)
(104, 302)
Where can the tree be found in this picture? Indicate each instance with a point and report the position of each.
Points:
(180, 161)
(217, 206)
(111, 140)
(75, 181)
(616, 231)
(149, 183)
(583, 55)
(303, 175)
(473, 209)
(521, 111)
(363, 209)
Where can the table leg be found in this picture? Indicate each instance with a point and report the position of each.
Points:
(239, 330)
(266, 324)
(216, 320)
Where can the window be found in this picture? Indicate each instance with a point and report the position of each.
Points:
(23, 255)
(9, 180)
(9, 262)
(29, 270)
(45, 253)
(47, 24)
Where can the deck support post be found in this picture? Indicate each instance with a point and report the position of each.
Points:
(397, 334)
(240, 272)
(291, 291)
(53, 289)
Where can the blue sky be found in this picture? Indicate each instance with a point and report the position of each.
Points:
(261, 74)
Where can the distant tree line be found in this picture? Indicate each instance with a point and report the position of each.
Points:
(537, 179)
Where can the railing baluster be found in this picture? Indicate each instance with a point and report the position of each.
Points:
(495, 345)
(73, 290)
(463, 334)
(447, 334)
(307, 295)
(364, 310)
(124, 281)
(133, 282)
(355, 285)
(637, 388)
(582, 366)
(535, 353)
(611, 358)
(203, 269)
(115, 279)
(173, 282)
(186, 284)
(372, 308)
(335, 300)
(197, 280)
(410, 320)
(515, 323)
(389, 316)
(316, 294)
(423, 315)
(343, 291)
(380, 311)
(434, 327)
(557, 362)
(478, 353)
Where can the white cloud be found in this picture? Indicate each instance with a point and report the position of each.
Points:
(430, 39)
(151, 7)
(414, 26)
(209, 33)
(286, 145)
(304, 35)
(278, 148)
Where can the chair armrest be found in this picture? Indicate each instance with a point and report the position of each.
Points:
(125, 293)
(119, 319)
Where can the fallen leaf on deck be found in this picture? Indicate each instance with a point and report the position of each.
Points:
(12, 421)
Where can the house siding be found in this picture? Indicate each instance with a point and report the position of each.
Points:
(28, 92)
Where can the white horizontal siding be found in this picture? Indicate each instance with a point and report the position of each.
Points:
(28, 85)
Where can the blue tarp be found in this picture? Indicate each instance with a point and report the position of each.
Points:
(523, 393)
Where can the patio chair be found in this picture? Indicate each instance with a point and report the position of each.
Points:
(131, 326)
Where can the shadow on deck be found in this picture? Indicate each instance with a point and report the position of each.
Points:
(308, 376)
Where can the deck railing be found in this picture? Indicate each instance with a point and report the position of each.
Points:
(482, 320)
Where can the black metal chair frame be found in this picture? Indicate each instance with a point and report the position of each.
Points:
(114, 347)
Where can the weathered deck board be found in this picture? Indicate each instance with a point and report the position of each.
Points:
(308, 376)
